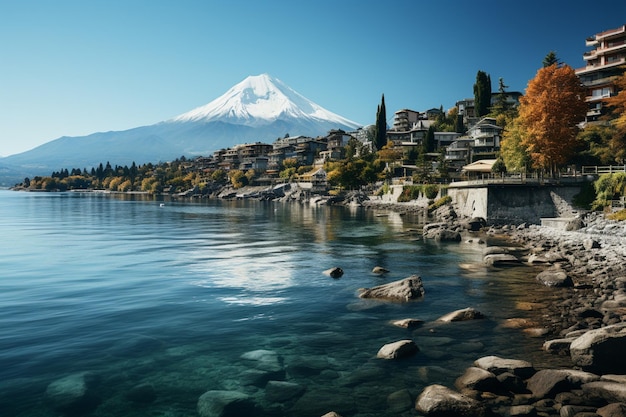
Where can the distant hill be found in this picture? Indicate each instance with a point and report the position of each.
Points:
(258, 109)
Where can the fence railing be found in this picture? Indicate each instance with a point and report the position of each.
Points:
(603, 169)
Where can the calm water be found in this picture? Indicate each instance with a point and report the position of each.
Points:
(170, 297)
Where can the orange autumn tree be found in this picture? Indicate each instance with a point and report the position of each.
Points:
(549, 112)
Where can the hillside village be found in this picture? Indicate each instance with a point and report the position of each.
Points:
(431, 146)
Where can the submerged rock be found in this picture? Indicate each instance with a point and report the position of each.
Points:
(379, 270)
(555, 278)
(403, 290)
(225, 404)
(73, 394)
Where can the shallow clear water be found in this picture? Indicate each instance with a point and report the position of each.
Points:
(173, 295)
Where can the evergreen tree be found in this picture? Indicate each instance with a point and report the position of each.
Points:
(380, 137)
(551, 59)
(482, 94)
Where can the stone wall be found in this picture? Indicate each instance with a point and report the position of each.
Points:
(510, 204)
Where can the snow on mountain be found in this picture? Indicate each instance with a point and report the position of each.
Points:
(259, 100)
(260, 108)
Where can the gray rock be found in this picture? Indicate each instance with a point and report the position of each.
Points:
(576, 410)
(501, 259)
(379, 270)
(225, 404)
(398, 350)
(399, 401)
(522, 411)
(437, 400)
(558, 346)
(601, 350)
(611, 392)
(591, 244)
(477, 379)
(549, 382)
(335, 272)
(555, 278)
(403, 290)
(264, 360)
(464, 314)
(408, 323)
(498, 365)
(612, 410)
(73, 394)
(281, 391)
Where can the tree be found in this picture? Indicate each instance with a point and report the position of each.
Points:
(512, 151)
(380, 132)
(500, 105)
(551, 59)
(549, 113)
(617, 116)
(482, 94)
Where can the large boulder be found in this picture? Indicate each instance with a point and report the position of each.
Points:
(437, 400)
(549, 382)
(601, 350)
(464, 314)
(73, 394)
(398, 350)
(225, 404)
(555, 278)
(403, 290)
(611, 392)
(477, 379)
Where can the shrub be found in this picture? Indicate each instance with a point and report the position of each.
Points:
(410, 192)
(431, 191)
(440, 202)
(618, 215)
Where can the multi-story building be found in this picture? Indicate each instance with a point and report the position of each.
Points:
(603, 66)
(405, 119)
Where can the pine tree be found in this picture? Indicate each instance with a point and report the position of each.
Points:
(380, 137)
(551, 59)
(482, 94)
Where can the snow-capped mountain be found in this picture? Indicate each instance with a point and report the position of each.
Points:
(258, 109)
(259, 101)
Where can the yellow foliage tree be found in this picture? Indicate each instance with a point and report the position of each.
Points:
(617, 103)
(549, 112)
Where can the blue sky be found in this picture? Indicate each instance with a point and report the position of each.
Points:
(71, 68)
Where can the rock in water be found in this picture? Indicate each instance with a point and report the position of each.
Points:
(379, 270)
(462, 315)
(225, 404)
(335, 272)
(555, 278)
(398, 350)
(73, 394)
(403, 290)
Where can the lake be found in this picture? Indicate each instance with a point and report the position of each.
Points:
(160, 301)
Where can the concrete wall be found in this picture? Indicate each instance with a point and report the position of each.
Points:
(510, 204)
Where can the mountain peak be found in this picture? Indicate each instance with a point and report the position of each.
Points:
(259, 100)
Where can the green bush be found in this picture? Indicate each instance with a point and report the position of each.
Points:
(431, 191)
(440, 202)
(410, 192)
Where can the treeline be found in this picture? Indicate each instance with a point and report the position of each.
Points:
(153, 178)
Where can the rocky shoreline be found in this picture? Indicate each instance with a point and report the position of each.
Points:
(584, 320)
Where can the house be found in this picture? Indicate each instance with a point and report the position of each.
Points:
(486, 134)
(604, 64)
(314, 181)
